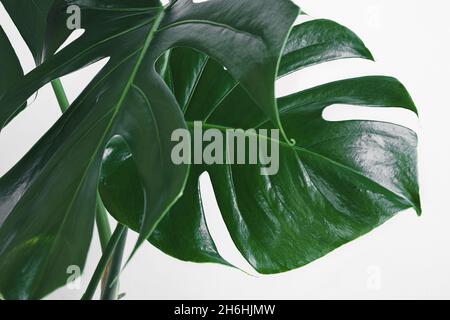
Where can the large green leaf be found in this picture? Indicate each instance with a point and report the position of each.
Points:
(47, 200)
(338, 182)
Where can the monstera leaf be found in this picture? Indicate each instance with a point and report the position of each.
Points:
(47, 201)
(339, 181)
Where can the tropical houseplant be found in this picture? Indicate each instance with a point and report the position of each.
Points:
(168, 66)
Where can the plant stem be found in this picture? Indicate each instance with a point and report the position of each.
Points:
(104, 233)
(111, 287)
(60, 95)
(103, 263)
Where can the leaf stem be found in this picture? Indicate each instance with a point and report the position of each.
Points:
(103, 263)
(60, 95)
(111, 288)
(101, 218)
(104, 231)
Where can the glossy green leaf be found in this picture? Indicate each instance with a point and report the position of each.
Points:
(47, 200)
(339, 181)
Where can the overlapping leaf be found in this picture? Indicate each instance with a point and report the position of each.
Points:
(339, 181)
(48, 198)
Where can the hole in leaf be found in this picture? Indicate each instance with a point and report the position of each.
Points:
(399, 116)
(73, 36)
(74, 83)
(218, 229)
(324, 73)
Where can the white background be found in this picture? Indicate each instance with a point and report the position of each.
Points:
(408, 257)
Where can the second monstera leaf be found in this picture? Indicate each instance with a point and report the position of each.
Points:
(339, 181)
